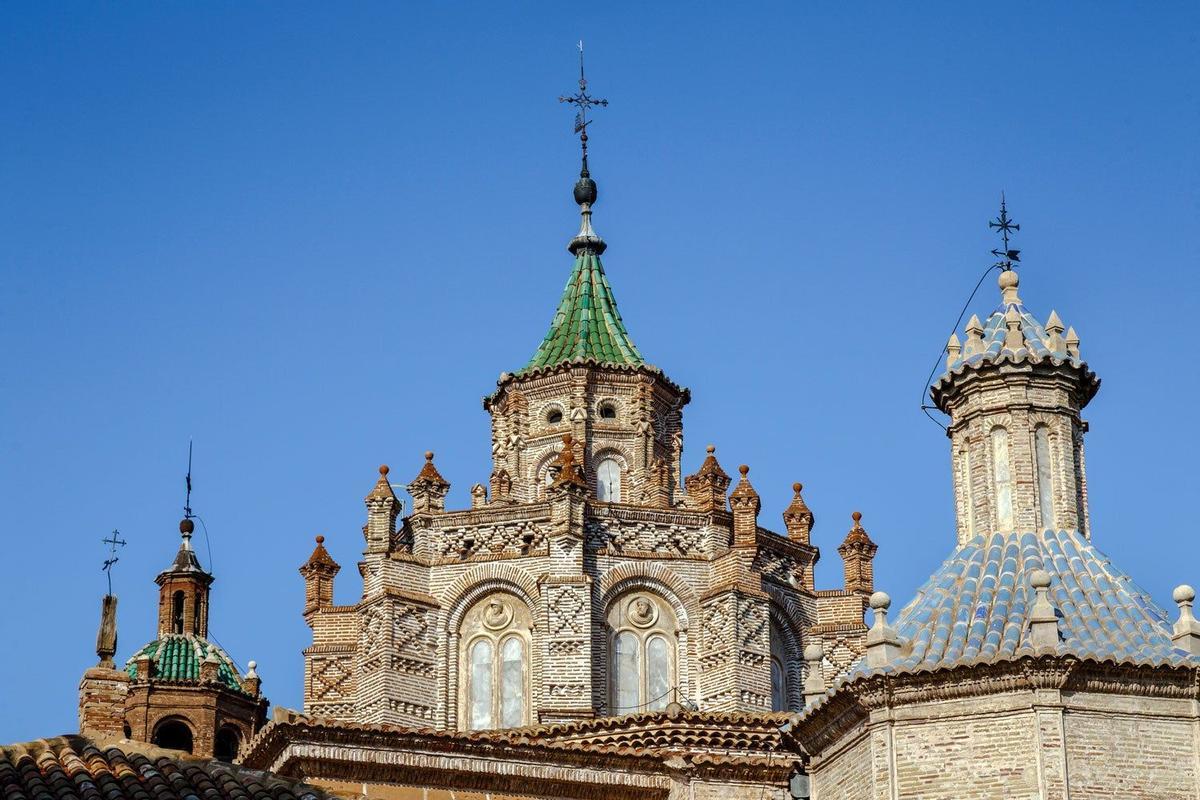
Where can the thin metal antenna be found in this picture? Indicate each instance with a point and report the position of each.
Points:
(113, 541)
(1005, 227)
(187, 502)
(583, 101)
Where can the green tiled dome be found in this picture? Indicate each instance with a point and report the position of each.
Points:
(587, 325)
(177, 657)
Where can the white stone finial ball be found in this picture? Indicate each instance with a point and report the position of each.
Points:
(1040, 579)
(814, 652)
(880, 600)
(1183, 594)
(252, 665)
(1009, 279)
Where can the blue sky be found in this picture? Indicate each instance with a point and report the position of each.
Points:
(311, 237)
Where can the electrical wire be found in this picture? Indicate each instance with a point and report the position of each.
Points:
(925, 407)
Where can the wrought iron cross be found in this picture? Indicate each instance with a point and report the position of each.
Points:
(1005, 226)
(583, 101)
(113, 541)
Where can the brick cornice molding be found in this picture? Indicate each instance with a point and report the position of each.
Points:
(853, 702)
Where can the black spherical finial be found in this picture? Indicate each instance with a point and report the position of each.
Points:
(585, 190)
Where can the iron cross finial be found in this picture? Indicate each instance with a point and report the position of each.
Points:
(583, 101)
(113, 541)
(1005, 227)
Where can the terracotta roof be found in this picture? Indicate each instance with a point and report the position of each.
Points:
(857, 536)
(711, 467)
(429, 473)
(674, 729)
(747, 746)
(587, 325)
(743, 488)
(278, 733)
(320, 557)
(77, 768)
(382, 489)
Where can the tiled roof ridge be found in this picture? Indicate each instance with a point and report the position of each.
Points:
(587, 324)
(497, 738)
(75, 767)
(675, 716)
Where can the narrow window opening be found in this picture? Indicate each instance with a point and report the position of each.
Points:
(968, 491)
(554, 416)
(225, 748)
(1002, 475)
(177, 613)
(1045, 476)
(608, 411)
(608, 481)
(480, 689)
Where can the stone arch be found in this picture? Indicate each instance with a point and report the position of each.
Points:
(483, 579)
(657, 579)
(174, 732)
(652, 576)
(471, 587)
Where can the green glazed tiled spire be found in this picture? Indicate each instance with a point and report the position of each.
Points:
(587, 325)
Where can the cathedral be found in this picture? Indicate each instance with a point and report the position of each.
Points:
(599, 624)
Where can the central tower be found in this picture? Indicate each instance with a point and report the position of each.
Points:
(589, 577)
(587, 379)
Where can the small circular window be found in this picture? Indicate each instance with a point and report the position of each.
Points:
(608, 411)
(554, 416)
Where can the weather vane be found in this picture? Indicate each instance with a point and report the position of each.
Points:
(1005, 227)
(583, 101)
(187, 502)
(113, 541)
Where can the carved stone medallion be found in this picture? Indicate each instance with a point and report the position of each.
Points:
(497, 615)
(642, 611)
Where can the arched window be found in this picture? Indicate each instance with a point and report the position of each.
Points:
(781, 690)
(554, 415)
(608, 411)
(173, 734)
(643, 634)
(1002, 476)
(225, 747)
(608, 481)
(177, 612)
(494, 686)
(1045, 475)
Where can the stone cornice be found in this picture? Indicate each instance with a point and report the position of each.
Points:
(1074, 377)
(850, 703)
(545, 375)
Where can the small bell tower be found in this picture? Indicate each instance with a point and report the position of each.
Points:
(1015, 390)
(183, 589)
